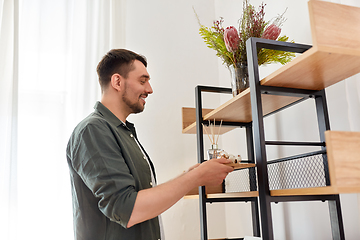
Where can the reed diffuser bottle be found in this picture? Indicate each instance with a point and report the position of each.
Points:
(214, 151)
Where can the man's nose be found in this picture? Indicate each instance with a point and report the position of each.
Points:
(148, 89)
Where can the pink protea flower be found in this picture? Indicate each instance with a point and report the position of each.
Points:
(272, 32)
(231, 39)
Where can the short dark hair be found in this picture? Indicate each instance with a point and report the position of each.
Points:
(117, 61)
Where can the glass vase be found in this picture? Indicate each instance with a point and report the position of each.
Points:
(214, 152)
(239, 78)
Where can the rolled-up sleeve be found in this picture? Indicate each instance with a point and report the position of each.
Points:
(98, 160)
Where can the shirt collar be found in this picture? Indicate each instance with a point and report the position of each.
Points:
(106, 113)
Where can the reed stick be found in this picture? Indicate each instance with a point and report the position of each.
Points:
(212, 132)
(207, 133)
(217, 139)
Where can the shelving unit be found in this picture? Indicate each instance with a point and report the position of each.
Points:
(334, 56)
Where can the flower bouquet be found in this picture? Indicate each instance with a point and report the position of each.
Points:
(230, 43)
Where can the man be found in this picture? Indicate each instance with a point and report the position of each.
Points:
(113, 179)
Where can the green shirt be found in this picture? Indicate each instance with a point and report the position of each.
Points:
(107, 169)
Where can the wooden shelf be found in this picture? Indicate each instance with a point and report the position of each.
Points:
(234, 195)
(328, 190)
(241, 165)
(194, 193)
(212, 191)
(226, 195)
(335, 56)
(326, 65)
(343, 151)
(189, 121)
(237, 109)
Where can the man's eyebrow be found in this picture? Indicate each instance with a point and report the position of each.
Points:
(145, 76)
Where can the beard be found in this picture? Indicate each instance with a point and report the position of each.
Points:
(136, 107)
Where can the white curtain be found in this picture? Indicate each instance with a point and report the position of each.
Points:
(48, 84)
(8, 117)
(353, 99)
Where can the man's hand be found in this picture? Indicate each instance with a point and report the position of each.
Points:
(193, 167)
(212, 172)
(153, 201)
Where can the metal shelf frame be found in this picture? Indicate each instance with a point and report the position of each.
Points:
(200, 150)
(256, 90)
(256, 145)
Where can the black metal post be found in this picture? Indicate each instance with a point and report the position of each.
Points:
(324, 125)
(200, 151)
(251, 156)
(255, 218)
(337, 226)
(259, 136)
(252, 45)
(322, 114)
(252, 180)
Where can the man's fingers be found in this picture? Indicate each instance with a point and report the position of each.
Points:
(223, 160)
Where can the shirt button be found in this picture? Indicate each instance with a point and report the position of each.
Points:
(151, 183)
(131, 135)
(144, 157)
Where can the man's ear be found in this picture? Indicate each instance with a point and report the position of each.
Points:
(116, 81)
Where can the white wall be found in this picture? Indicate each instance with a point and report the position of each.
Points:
(166, 32)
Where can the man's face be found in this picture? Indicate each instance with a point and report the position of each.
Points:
(136, 88)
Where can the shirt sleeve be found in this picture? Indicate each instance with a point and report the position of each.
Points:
(98, 160)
